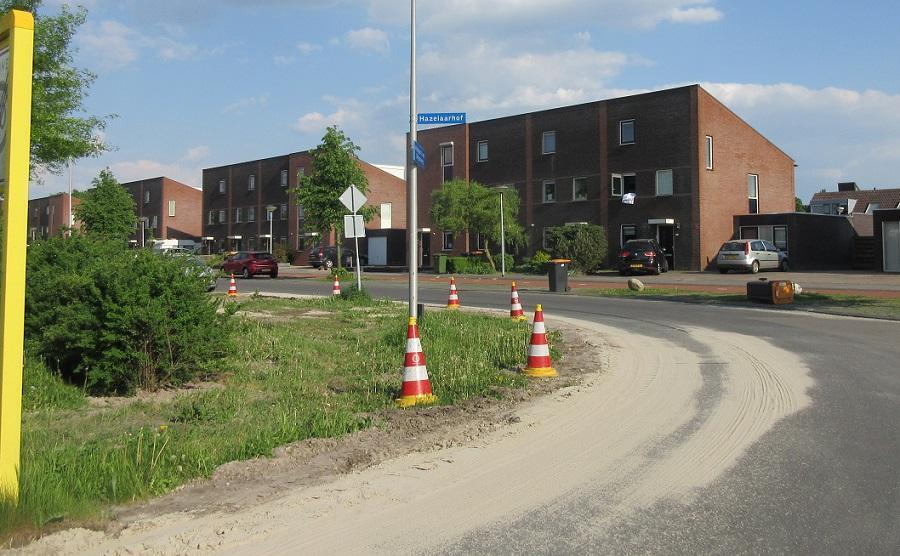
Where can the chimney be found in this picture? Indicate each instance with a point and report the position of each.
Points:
(848, 186)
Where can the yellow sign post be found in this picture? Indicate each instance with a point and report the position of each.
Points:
(16, 53)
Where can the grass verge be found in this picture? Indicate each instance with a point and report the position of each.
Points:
(302, 369)
(836, 304)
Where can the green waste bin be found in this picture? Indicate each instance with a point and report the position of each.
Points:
(440, 264)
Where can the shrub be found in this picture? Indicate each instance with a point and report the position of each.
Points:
(353, 294)
(584, 244)
(283, 253)
(114, 319)
(468, 265)
(537, 264)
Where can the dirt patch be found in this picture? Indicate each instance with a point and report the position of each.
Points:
(312, 462)
(158, 396)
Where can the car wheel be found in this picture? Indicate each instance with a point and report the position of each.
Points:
(622, 272)
(754, 268)
(657, 270)
(329, 264)
(245, 274)
(785, 266)
(274, 274)
(723, 271)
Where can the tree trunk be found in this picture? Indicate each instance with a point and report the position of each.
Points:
(487, 251)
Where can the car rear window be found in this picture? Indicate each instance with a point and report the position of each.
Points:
(264, 256)
(732, 246)
(638, 245)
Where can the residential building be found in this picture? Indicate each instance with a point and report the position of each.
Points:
(48, 216)
(236, 197)
(682, 162)
(166, 209)
(850, 199)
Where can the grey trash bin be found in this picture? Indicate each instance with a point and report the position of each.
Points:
(558, 271)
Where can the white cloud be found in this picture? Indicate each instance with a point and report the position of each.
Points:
(197, 153)
(245, 104)
(694, 15)
(368, 38)
(283, 60)
(316, 122)
(308, 48)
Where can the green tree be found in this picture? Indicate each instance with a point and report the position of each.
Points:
(799, 206)
(460, 206)
(60, 130)
(335, 166)
(107, 209)
(584, 244)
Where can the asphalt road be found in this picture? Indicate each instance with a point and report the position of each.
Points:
(825, 480)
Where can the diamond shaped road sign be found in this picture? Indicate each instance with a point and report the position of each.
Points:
(353, 198)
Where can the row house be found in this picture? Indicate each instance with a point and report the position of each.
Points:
(682, 162)
(247, 205)
(166, 209)
(49, 216)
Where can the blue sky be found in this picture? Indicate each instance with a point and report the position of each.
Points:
(200, 83)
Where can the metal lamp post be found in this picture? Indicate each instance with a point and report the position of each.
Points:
(270, 209)
(143, 220)
(501, 190)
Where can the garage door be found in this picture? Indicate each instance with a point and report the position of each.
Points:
(891, 235)
(377, 251)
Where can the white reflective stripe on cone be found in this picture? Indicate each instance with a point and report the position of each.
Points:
(539, 328)
(538, 350)
(413, 345)
(415, 374)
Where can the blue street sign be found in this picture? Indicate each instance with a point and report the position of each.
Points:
(418, 154)
(438, 118)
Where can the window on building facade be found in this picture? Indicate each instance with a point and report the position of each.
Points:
(482, 151)
(238, 215)
(709, 152)
(221, 186)
(628, 231)
(251, 182)
(753, 193)
(626, 132)
(283, 211)
(549, 195)
(211, 218)
(386, 216)
(545, 238)
(448, 241)
(221, 217)
(548, 142)
(621, 184)
(154, 222)
(479, 242)
(301, 171)
(147, 197)
(664, 185)
(872, 206)
(447, 161)
(251, 214)
(171, 208)
(579, 189)
(284, 180)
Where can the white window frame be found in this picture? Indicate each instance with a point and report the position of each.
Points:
(633, 136)
(612, 185)
(221, 186)
(544, 238)
(671, 183)
(222, 216)
(146, 196)
(622, 232)
(754, 178)
(283, 211)
(251, 214)
(575, 189)
(211, 218)
(478, 156)
(284, 178)
(171, 208)
(444, 243)
(251, 182)
(709, 152)
(444, 148)
(238, 215)
(154, 222)
(544, 185)
(544, 136)
(387, 216)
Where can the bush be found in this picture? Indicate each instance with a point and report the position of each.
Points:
(584, 244)
(283, 253)
(114, 319)
(355, 295)
(468, 265)
(537, 264)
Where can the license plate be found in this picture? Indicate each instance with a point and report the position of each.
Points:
(637, 265)
(730, 257)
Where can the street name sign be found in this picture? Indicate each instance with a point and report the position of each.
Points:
(439, 118)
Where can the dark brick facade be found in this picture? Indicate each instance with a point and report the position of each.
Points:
(171, 209)
(48, 215)
(669, 135)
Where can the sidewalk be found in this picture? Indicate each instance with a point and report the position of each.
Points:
(869, 284)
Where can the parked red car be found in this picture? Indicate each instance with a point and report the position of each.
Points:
(250, 263)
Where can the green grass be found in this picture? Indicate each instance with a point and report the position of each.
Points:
(836, 304)
(302, 369)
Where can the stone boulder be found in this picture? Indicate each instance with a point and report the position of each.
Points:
(635, 285)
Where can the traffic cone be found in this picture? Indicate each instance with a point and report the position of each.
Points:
(336, 287)
(453, 300)
(416, 388)
(232, 288)
(539, 364)
(515, 311)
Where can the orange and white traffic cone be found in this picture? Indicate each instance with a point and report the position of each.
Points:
(336, 287)
(416, 388)
(515, 310)
(539, 364)
(453, 300)
(232, 288)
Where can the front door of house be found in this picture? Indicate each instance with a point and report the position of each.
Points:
(665, 235)
(425, 246)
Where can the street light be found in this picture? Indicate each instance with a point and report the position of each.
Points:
(500, 190)
(143, 220)
(270, 209)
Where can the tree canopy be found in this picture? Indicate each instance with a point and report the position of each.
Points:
(468, 206)
(107, 209)
(60, 130)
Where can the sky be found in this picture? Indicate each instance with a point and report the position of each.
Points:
(194, 84)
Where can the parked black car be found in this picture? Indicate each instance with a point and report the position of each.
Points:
(642, 255)
(326, 257)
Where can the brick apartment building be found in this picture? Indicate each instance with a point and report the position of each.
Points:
(691, 163)
(171, 209)
(235, 198)
(47, 216)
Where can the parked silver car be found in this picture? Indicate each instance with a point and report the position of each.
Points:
(751, 255)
